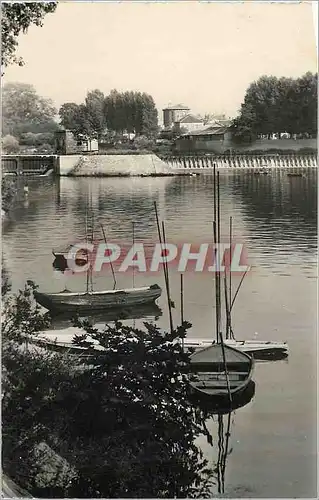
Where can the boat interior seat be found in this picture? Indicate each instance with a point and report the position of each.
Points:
(217, 384)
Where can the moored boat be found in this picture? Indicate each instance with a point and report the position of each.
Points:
(90, 301)
(252, 347)
(220, 370)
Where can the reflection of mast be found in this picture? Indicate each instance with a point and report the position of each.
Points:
(223, 445)
(58, 198)
(210, 409)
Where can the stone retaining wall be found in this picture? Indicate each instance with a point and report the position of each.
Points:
(112, 165)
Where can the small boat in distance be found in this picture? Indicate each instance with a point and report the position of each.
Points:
(89, 301)
(294, 174)
(263, 170)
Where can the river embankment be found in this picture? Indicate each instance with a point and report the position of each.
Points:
(113, 165)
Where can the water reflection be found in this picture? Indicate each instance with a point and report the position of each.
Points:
(221, 434)
(223, 450)
(146, 311)
(220, 406)
(289, 206)
(275, 217)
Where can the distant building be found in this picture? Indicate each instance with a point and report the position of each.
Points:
(188, 123)
(66, 143)
(214, 138)
(173, 114)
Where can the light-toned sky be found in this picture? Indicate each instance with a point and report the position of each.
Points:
(203, 54)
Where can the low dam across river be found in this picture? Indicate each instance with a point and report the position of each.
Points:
(87, 165)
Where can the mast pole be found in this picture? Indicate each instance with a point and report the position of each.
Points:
(87, 241)
(218, 253)
(182, 305)
(112, 268)
(215, 252)
(133, 269)
(92, 241)
(216, 286)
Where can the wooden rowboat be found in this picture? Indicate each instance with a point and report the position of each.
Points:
(209, 375)
(96, 301)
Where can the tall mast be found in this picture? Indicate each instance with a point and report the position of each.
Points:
(133, 269)
(218, 253)
(92, 241)
(230, 271)
(87, 240)
(215, 234)
(112, 268)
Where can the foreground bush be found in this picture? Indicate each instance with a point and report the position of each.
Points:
(8, 192)
(121, 425)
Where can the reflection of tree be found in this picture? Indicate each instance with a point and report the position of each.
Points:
(115, 202)
(289, 205)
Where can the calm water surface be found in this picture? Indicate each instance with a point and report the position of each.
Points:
(273, 438)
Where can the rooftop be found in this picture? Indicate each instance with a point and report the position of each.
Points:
(190, 119)
(212, 130)
(177, 106)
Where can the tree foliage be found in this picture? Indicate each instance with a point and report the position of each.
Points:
(31, 139)
(278, 105)
(127, 112)
(95, 109)
(132, 112)
(9, 144)
(16, 18)
(8, 191)
(121, 417)
(25, 111)
(74, 117)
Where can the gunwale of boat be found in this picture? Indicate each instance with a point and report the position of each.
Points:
(251, 345)
(101, 292)
(226, 347)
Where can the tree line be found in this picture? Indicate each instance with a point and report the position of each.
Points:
(118, 112)
(29, 119)
(276, 106)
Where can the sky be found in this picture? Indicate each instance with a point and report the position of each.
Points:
(202, 54)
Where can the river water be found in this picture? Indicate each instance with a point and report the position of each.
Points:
(273, 437)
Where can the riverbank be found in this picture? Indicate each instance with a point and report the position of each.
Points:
(113, 165)
(8, 193)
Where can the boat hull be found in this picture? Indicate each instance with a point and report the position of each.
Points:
(97, 301)
(210, 378)
(221, 405)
